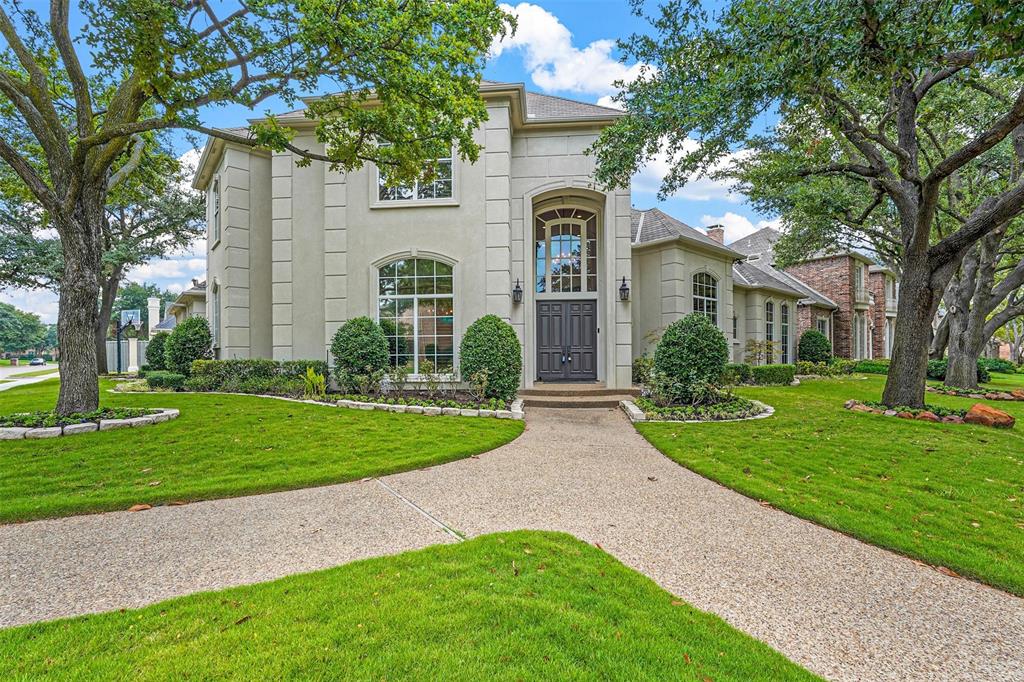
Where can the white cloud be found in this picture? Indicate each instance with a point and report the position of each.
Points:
(42, 302)
(648, 179)
(554, 63)
(737, 226)
(168, 269)
(175, 288)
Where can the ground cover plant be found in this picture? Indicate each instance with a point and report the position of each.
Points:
(948, 494)
(220, 446)
(733, 407)
(523, 605)
(42, 419)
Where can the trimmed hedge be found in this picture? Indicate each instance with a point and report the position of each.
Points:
(169, 380)
(359, 347)
(490, 344)
(880, 366)
(256, 375)
(155, 358)
(998, 365)
(773, 375)
(736, 373)
(692, 353)
(937, 371)
(814, 347)
(190, 341)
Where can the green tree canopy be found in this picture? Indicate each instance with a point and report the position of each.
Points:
(19, 330)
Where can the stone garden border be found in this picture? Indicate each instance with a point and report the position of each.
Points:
(20, 432)
(979, 414)
(1016, 394)
(635, 415)
(516, 411)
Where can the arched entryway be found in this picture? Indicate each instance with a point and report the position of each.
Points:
(566, 279)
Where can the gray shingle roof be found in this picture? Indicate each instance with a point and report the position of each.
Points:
(654, 224)
(550, 107)
(760, 242)
(166, 324)
(750, 275)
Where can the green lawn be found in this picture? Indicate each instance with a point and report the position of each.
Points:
(950, 495)
(513, 606)
(221, 446)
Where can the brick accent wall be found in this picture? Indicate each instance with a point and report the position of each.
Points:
(876, 285)
(833, 277)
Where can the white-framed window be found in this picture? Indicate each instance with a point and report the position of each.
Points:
(705, 296)
(822, 325)
(565, 251)
(769, 328)
(735, 327)
(215, 211)
(784, 340)
(416, 308)
(441, 186)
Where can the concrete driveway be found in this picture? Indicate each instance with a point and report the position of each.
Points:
(846, 610)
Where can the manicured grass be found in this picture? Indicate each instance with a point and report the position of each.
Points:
(513, 606)
(950, 495)
(220, 446)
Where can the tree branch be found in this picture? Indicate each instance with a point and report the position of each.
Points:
(79, 83)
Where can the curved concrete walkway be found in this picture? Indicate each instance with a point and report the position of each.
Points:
(844, 609)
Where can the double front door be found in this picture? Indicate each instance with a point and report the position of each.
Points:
(567, 340)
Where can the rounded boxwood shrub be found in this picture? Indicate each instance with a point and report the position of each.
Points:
(359, 347)
(490, 344)
(167, 380)
(814, 347)
(155, 351)
(692, 353)
(191, 340)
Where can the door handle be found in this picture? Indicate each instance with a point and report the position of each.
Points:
(568, 354)
(563, 354)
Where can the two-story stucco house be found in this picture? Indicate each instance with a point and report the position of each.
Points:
(523, 233)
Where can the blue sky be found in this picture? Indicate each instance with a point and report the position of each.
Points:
(562, 47)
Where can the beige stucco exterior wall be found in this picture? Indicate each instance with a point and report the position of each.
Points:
(754, 322)
(664, 283)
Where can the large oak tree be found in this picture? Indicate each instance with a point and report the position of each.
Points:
(407, 72)
(859, 72)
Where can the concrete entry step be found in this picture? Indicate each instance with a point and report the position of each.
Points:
(575, 401)
(574, 390)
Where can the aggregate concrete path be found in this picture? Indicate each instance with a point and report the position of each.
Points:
(844, 609)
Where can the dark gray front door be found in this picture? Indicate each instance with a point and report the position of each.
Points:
(567, 340)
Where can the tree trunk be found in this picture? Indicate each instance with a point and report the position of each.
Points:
(108, 293)
(940, 340)
(966, 344)
(78, 311)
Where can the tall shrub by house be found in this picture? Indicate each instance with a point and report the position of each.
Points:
(359, 348)
(692, 355)
(814, 347)
(191, 340)
(490, 345)
(155, 351)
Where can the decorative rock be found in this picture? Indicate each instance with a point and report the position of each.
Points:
(504, 414)
(87, 427)
(860, 407)
(849, 404)
(952, 419)
(451, 411)
(517, 405)
(890, 413)
(172, 413)
(12, 432)
(486, 413)
(157, 418)
(1018, 393)
(518, 414)
(991, 396)
(139, 507)
(432, 410)
(469, 413)
(414, 409)
(141, 421)
(975, 396)
(927, 416)
(365, 406)
(346, 403)
(986, 415)
(383, 407)
(1005, 396)
(399, 409)
(48, 432)
(905, 415)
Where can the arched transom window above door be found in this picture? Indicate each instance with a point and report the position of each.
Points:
(565, 250)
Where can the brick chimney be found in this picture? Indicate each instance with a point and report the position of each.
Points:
(717, 232)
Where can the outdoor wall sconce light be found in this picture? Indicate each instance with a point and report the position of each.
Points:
(624, 291)
(517, 293)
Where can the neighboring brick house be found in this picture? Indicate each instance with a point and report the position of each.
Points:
(849, 298)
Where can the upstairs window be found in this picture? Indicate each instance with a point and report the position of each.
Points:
(440, 186)
(705, 296)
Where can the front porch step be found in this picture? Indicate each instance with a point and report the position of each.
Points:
(571, 390)
(575, 401)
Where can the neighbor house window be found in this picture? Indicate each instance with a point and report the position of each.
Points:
(822, 325)
(565, 251)
(415, 307)
(440, 186)
(785, 332)
(769, 329)
(215, 206)
(705, 296)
